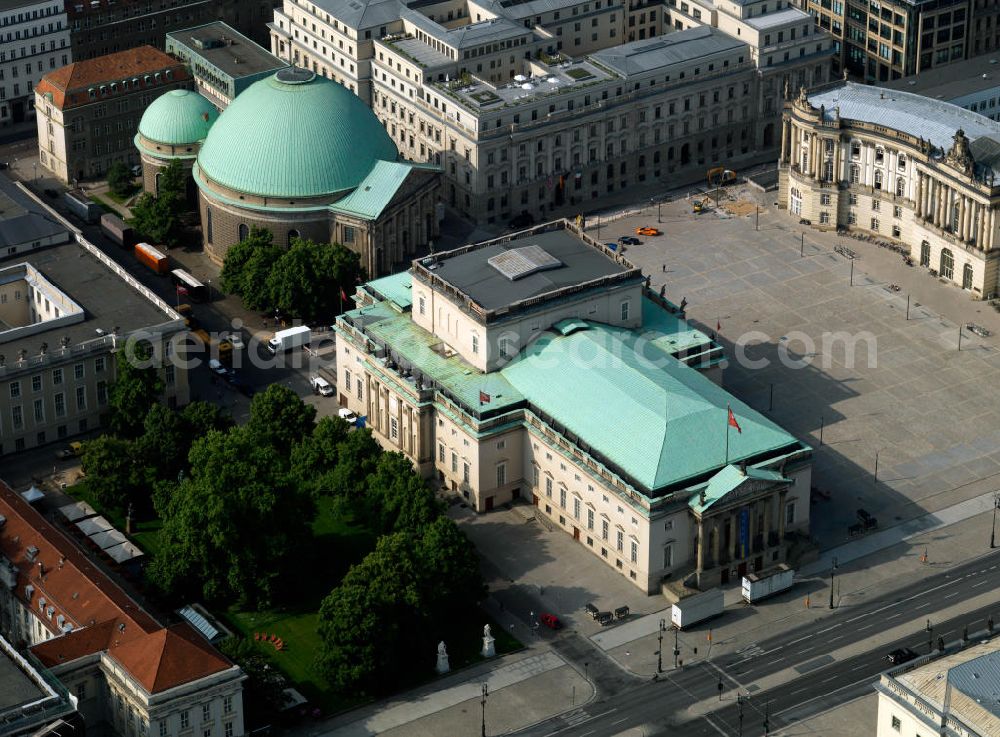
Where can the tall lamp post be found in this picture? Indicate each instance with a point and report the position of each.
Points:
(486, 690)
(677, 645)
(659, 649)
(739, 707)
(930, 637)
(993, 529)
(832, 571)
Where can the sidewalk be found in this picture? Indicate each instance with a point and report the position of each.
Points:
(522, 689)
(867, 567)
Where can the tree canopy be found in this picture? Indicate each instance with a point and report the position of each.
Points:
(137, 387)
(158, 218)
(120, 179)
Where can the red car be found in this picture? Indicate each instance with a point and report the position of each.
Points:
(551, 621)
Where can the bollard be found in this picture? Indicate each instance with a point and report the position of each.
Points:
(807, 602)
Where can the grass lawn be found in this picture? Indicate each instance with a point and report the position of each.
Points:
(103, 204)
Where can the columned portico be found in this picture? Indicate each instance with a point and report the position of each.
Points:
(740, 517)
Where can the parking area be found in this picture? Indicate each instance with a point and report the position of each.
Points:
(906, 424)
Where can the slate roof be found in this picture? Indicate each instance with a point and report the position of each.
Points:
(933, 120)
(680, 47)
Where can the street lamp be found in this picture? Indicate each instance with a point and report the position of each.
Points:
(659, 649)
(993, 529)
(658, 212)
(930, 637)
(832, 571)
(35, 167)
(739, 707)
(486, 690)
(677, 648)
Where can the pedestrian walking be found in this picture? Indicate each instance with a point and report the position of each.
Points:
(664, 268)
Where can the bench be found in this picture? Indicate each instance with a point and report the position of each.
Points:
(592, 610)
(605, 618)
(854, 530)
(621, 612)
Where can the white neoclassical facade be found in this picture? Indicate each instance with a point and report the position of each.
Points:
(904, 167)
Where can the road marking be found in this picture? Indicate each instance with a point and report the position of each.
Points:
(896, 603)
(859, 667)
(897, 614)
(949, 596)
(921, 606)
(618, 721)
(866, 627)
(806, 688)
(981, 583)
(834, 639)
(831, 678)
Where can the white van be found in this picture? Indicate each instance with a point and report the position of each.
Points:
(321, 386)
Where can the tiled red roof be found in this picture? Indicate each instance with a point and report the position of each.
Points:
(102, 615)
(70, 85)
(168, 658)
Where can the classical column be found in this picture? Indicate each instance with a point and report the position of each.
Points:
(716, 542)
(970, 208)
(734, 531)
(786, 142)
(781, 514)
(928, 189)
(766, 532)
(920, 194)
(701, 546)
(960, 225)
(990, 228)
(980, 225)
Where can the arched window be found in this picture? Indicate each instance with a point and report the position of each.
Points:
(292, 235)
(947, 269)
(900, 186)
(967, 276)
(827, 171)
(243, 231)
(901, 162)
(878, 179)
(855, 173)
(208, 224)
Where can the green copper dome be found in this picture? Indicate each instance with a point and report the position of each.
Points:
(178, 117)
(294, 134)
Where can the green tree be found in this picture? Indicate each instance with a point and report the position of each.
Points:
(171, 186)
(120, 179)
(450, 570)
(307, 280)
(137, 387)
(397, 498)
(233, 529)
(112, 473)
(357, 455)
(163, 445)
(262, 689)
(279, 418)
(372, 622)
(198, 418)
(256, 273)
(237, 257)
(317, 453)
(156, 220)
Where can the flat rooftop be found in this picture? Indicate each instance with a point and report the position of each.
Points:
(470, 272)
(775, 20)
(661, 52)
(107, 300)
(227, 49)
(952, 81)
(23, 220)
(17, 687)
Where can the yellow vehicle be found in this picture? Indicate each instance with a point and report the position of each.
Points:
(222, 349)
(190, 321)
(697, 206)
(73, 450)
(720, 176)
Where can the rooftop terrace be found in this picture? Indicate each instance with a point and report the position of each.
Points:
(226, 49)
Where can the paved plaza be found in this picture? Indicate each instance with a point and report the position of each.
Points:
(907, 394)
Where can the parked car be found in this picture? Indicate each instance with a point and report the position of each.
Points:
(551, 621)
(321, 386)
(612, 246)
(71, 451)
(137, 170)
(347, 416)
(901, 655)
(236, 339)
(646, 230)
(217, 368)
(629, 240)
(697, 206)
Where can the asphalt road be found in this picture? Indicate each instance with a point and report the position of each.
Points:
(822, 681)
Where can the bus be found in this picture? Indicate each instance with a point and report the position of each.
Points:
(187, 284)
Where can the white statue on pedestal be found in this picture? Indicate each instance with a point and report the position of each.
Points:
(489, 649)
(442, 663)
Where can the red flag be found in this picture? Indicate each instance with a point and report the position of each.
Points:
(342, 295)
(718, 326)
(181, 290)
(733, 422)
(484, 398)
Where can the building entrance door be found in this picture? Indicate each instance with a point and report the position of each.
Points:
(534, 499)
(725, 576)
(489, 504)
(576, 533)
(741, 570)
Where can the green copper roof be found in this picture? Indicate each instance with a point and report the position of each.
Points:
(729, 479)
(377, 189)
(295, 134)
(395, 287)
(178, 117)
(659, 421)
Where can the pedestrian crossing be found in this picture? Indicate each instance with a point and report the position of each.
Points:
(575, 717)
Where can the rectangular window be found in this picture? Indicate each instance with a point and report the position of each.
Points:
(465, 472)
(668, 556)
(501, 474)
(475, 344)
(635, 552)
(36, 383)
(876, 204)
(422, 305)
(393, 428)
(562, 498)
(39, 411)
(15, 389)
(604, 529)
(620, 541)
(624, 311)
(896, 724)
(590, 519)
(548, 487)
(229, 729)
(78, 371)
(163, 729)
(81, 398)
(361, 389)
(206, 712)
(98, 364)
(454, 462)
(17, 417)
(185, 720)
(576, 508)
(60, 404)
(790, 513)
(440, 453)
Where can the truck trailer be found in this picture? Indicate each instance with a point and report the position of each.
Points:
(152, 258)
(285, 340)
(757, 586)
(82, 206)
(697, 608)
(115, 228)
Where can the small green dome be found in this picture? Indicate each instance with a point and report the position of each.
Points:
(294, 134)
(178, 117)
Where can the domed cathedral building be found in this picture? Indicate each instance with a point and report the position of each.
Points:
(173, 127)
(301, 156)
